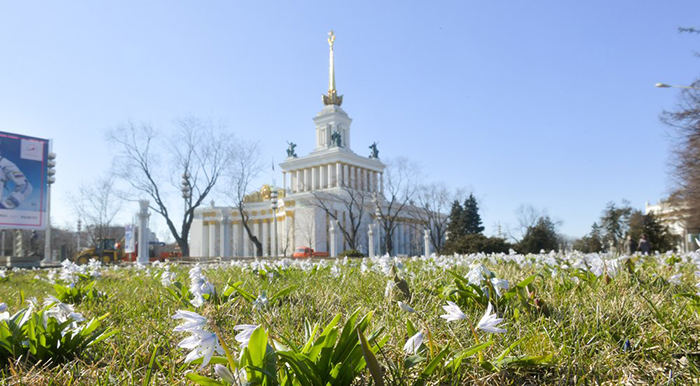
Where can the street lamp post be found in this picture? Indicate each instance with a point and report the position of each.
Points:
(186, 195)
(80, 228)
(273, 201)
(378, 218)
(50, 172)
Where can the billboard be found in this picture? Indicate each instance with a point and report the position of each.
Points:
(23, 184)
(129, 239)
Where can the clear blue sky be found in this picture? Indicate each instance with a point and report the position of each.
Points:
(543, 102)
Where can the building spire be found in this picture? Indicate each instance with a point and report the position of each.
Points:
(332, 98)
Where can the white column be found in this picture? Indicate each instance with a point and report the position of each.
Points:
(300, 177)
(407, 239)
(236, 241)
(322, 174)
(399, 246)
(225, 238)
(284, 181)
(313, 178)
(258, 234)
(144, 235)
(338, 174)
(306, 180)
(370, 241)
(426, 243)
(334, 246)
(381, 183)
(352, 179)
(375, 182)
(329, 179)
(205, 240)
(346, 175)
(245, 241)
(265, 233)
(212, 239)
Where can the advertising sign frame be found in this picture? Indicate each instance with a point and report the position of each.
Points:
(23, 181)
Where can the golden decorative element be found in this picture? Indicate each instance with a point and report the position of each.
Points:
(332, 98)
(254, 213)
(265, 192)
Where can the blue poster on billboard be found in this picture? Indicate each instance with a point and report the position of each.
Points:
(23, 184)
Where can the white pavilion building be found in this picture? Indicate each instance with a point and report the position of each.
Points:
(329, 173)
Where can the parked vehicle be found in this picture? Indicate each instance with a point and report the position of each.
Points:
(304, 252)
(109, 251)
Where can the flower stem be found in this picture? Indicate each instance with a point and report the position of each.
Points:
(476, 337)
(217, 331)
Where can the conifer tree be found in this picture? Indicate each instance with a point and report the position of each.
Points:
(456, 225)
(471, 219)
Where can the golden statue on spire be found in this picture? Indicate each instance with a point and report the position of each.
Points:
(332, 98)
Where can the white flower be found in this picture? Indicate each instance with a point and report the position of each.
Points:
(453, 312)
(413, 343)
(199, 285)
(191, 321)
(389, 288)
(675, 279)
(478, 273)
(261, 301)
(226, 374)
(246, 331)
(166, 278)
(406, 307)
(499, 284)
(489, 322)
(203, 345)
(3, 312)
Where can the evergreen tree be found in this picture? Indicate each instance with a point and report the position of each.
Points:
(541, 236)
(591, 243)
(658, 235)
(456, 225)
(615, 222)
(471, 219)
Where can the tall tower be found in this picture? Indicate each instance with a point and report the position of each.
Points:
(332, 123)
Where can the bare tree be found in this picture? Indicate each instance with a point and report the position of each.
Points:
(400, 187)
(685, 122)
(244, 168)
(306, 227)
(97, 205)
(434, 202)
(353, 202)
(287, 241)
(527, 216)
(151, 164)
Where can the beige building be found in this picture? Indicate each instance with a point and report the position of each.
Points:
(333, 173)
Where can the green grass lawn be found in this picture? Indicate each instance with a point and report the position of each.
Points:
(568, 326)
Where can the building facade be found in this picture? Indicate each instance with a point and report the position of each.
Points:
(672, 215)
(328, 201)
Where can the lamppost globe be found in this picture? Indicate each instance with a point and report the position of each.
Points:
(186, 188)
